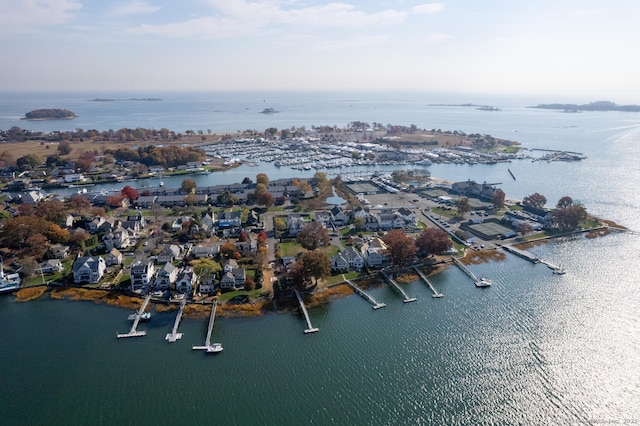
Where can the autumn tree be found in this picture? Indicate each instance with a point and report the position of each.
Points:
(79, 237)
(36, 246)
(498, 197)
(401, 248)
(263, 179)
(463, 206)
(433, 241)
(265, 199)
(228, 249)
(313, 235)
(535, 200)
(310, 265)
(188, 186)
(130, 192)
(78, 203)
(52, 210)
(568, 217)
(64, 148)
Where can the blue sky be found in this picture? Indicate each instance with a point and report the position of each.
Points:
(484, 46)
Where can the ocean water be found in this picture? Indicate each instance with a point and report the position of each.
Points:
(535, 348)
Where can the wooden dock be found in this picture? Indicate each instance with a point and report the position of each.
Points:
(310, 328)
(174, 335)
(365, 295)
(136, 320)
(207, 343)
(393, 282)
(558, 270)
(424, 278)
(521, 253)
(479, 282)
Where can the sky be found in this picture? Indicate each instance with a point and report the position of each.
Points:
(482, 46)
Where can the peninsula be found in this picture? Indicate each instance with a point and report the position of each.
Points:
(593, 106)
(49, 114)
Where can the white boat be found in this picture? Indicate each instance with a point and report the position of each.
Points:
(483, 282)
(559, 271)
(214, 348)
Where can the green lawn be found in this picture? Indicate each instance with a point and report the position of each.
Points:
(334, 279)
(225, 297)
(290, 249)
(444, 212)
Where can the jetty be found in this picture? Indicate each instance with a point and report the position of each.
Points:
(310, 328)
(521, 253)
(365, 295)
(424, 278)
(393, 282)
(558, 270)
(479, 282)
(216, 347)
(174, 335)
(511, 173)
(136, 320)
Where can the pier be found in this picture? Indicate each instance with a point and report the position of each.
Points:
(509, 170)
(216, 347)
(310, 328)
(174, 335)
(521, 253)
(479, 282)
(136, 320)
(365, 295)
(424, 278)
(393, 282)
(558, 270)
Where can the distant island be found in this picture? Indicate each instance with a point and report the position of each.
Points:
(478, 107)
(593, 106)
(49, 114)
(129, 99)
(268, 111)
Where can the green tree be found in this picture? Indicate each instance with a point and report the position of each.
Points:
(262, 178)
(28, 161)
(205, 267)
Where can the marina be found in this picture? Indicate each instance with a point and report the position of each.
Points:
(310, 328)
(423, 277)
(208, 347)
(174, 335)
(395, 285)
(365, 295)
(137, 317)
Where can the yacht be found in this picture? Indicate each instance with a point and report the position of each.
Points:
(214, 348)
(483, 282)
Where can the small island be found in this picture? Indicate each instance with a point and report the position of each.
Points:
(268, 111)
(593, 106)
(49, 114)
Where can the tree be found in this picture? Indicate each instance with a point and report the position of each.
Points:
(52, 210)
(463, 206)
(401, 248)
(312, 264)
(205, 267)
(36, 246)
(64, 148)
(130, 193)
(79, 237)
(258, 277)
(242, 237)
(78, 203)
(188, 186)
(227, 199)
(262, 178)
(247, 181)
(29, 161)
(313, 235)
(156, 210)
(564, 202)
(265, 199)
(228, 249)
(535, 200)
(498, 198)
(568, 217)
(433, 241)
(249, 284)
(524, 228)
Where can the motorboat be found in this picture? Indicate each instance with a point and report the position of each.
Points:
(483, 282)
(214, 348)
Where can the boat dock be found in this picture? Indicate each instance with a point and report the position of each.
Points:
(479, 282)
(310, 328)
(365, 295)
(521, 253)
(136, 320)
(207, 343)
(393, 282)
(174, 335)
(424, 278)
(558, 270)
(511, 173)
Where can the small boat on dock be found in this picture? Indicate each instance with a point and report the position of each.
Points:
(483, 282)
(214, 348)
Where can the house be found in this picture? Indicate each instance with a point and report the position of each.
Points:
(135, 222)
(374, 253)
(387, 221)
(371, 223)
(166, 276)
(408, 216)
(323, 217)
(94, 225)
(114, 257)
(339, 216)
(229, 219)
(204, 251)
(354, 258)
(119, 238)
(228, 281)
(207, 222)
(248, 247)
(229, 265)
(253, 218)
(180, 222)
(233, 279)
(295, 223)
(339, 263)
(60, 251)
(360, 212)
(32, 197)
(207, 284)
(51, 266)
(67, 222)
(169, 254)
(88, 269)
(146, 200)
(185, 282)
(142, 275)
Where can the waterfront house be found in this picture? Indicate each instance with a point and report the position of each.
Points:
(142, 272)
(374, 253)
(354, 258)
(228, 281)
(88, 269)
(169, 254)
(114, 257)
(51, 266)
(185, 282)
(339, 263)
(166, 277)
(207, 284)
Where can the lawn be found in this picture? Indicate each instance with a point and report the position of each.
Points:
(294, 248)
(334, 279)
(444, 212)
(253, 294)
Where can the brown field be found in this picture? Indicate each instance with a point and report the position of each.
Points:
(477, 257)
(30, 293)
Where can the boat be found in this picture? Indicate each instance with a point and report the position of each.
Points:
(214, 348)
(483, 282)
(559, 271)
(145, 317)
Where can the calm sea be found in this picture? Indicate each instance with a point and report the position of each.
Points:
(535, 348)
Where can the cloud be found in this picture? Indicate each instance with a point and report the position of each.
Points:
(437, 37)
(355, 43)
(30, 15)
(134, 8)
(585, 12)
(242, 17)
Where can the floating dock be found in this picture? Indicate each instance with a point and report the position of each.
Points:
(424, 278)
(365, 295)
(479, 282)
(174, 335)
(216, 347)
(136, 320)
(407, 299)
(310, 328)
(521, 253)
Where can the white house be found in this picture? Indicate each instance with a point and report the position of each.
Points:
(185, 282)
(88, 269)
(339, 263)
(114, 257)
(339, 216)
(141, 275)
(166, 277)
(207, 284)
(354, 258)
(51, 266)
